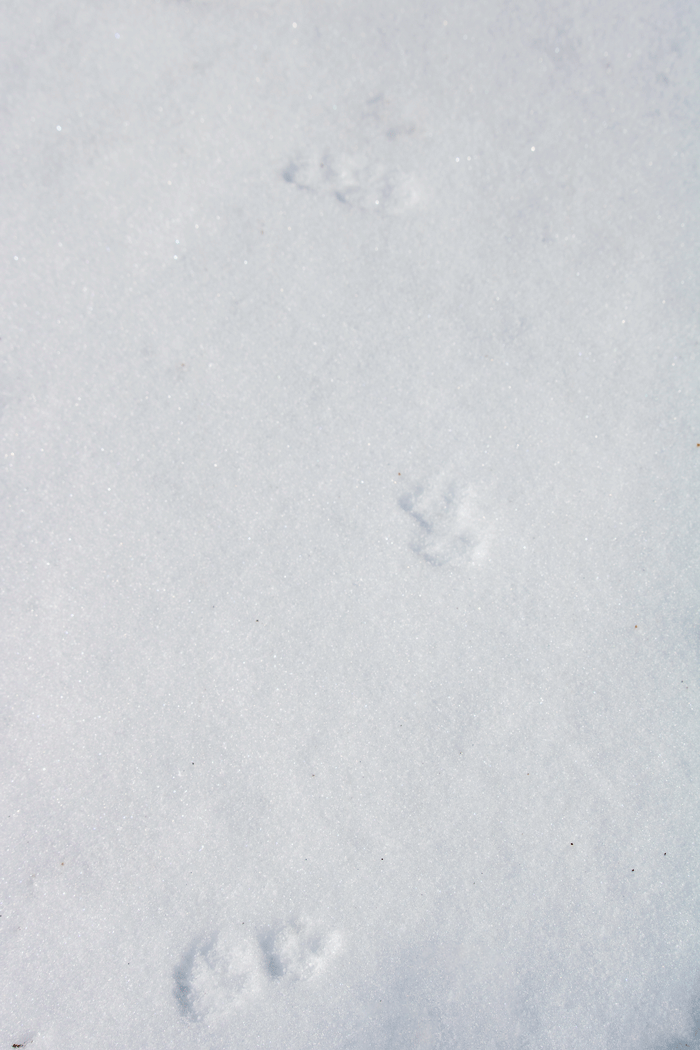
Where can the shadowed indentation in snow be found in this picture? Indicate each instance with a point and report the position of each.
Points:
(298, 951)
(353, 180)
(448, 527)
(219, 974)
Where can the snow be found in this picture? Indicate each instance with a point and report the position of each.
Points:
(349, 453)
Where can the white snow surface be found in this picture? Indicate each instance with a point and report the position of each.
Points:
(349, 490)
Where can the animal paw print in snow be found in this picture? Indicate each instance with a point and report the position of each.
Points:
(299, 951)
(448, 526)
(222, 973)
(354, 180)
(218, 976)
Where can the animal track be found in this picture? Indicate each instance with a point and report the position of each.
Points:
(448, 523)
(299, 951)
(220, 974)
(354, 180)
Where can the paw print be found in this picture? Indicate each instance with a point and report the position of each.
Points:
(224, 973)
(218, 976)
(448, 526)
(298, 951)
(355, 181)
